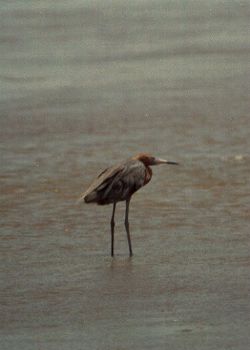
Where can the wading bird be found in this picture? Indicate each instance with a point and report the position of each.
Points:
(119, 183)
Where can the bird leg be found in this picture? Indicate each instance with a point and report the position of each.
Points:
(127, 227)
(112, 224)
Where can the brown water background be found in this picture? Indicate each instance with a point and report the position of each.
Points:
(85, 84)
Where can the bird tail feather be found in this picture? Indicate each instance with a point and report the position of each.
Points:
(91, 197)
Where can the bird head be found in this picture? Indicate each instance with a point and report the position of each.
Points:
(148, 160)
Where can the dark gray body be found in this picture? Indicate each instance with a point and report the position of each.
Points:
(117, 183)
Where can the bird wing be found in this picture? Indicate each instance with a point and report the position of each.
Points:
(128, 180)
(102, 179)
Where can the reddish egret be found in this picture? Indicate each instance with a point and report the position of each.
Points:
(119, 183)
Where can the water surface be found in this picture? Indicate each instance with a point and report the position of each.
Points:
(85, 84)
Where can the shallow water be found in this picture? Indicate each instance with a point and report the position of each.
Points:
(84, 85)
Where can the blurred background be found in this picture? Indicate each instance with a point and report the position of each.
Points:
(86, 84)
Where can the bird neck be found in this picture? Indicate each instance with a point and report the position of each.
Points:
(148, 175)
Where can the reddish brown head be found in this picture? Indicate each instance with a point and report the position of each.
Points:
(148, 160)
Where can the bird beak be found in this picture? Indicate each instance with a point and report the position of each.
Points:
(163, 161)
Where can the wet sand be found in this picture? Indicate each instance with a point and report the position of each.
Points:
(85, 85)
